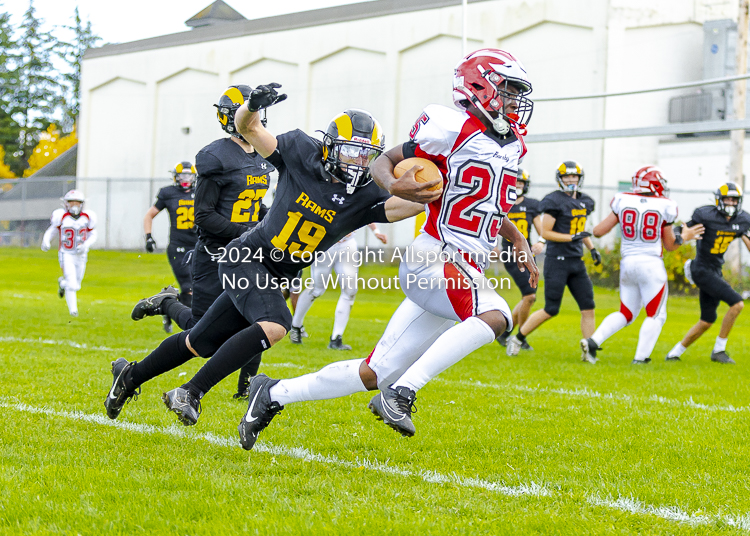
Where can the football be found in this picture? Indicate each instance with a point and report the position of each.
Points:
(428, 173)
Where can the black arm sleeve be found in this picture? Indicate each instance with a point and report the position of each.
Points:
(206, 196)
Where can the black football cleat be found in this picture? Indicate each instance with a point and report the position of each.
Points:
(295, 335)
(260, 411)
(672, 358)
(60, 288)
(641, 361)
(588, 351)
(119, 395)
(152, 306)
(502, 340)
(526, 346)
(394, 407)
(722, 357)
(186, 406)
(337, 344)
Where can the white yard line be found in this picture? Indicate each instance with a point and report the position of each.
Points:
(588, 393)
(622, 504)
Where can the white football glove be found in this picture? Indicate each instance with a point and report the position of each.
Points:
(45, 247)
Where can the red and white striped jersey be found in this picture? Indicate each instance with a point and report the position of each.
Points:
(479, 178)
(72, 231)
(641, 221)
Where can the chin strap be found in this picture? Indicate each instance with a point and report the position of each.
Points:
(499, 124)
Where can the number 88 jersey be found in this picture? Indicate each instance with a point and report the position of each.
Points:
(642, 219)
(479, 177)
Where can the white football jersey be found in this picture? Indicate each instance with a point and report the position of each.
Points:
(72, 231)
(479, 178)
(641, 221)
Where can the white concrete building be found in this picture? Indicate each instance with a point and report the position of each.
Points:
(148, 104)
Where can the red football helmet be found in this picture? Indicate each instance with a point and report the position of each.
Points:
(484, 78)
(649, 180)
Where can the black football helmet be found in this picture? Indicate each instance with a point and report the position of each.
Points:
(352, 141)
(730, 189)
(230, 100)
(525, 177)
(569, 167)
(183, 175)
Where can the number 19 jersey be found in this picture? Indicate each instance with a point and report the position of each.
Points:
(479, 170)
(642, 219)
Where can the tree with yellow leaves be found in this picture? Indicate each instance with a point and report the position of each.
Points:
(5, 172)
(50, 146)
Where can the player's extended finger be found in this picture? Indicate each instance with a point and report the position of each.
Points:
(274, 85)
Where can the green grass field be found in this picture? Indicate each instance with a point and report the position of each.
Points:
(538, 444)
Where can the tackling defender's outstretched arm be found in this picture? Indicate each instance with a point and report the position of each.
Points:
(405, 187)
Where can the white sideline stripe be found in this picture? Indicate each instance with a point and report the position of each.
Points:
(299, 453)
(588, 393)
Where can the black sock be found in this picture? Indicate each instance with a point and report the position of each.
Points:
(177, 312)
(186, 299)
(248, 370)
(171, 353)
(521, 337)
(230, 357)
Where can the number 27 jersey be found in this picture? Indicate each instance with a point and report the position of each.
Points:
(479, 177)
(642, 219)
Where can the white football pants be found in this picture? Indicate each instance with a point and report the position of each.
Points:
(73, 267)
(643, 284)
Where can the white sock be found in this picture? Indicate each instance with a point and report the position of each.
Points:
(333, 381)
(721, 345)
(678, 350)
(304, 302)
(341, 319)
(70, 298)
(610, 325)
(650, 330)
(450, 348)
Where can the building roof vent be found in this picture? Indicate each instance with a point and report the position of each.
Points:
(217, 13)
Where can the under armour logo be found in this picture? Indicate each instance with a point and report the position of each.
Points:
(583, 204)
(337, 199)
(263, 165)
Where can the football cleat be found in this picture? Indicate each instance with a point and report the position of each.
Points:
(641, 361)
(502, 340)
(722, 357)
(240, 396)
(152, 306)
(672, 358)
(526, 346)
(588, 351)
(260, 411)
(60, 288)
(119, 395)
(295, 335)
(337, 344)
(166, 323)
(512, 346)
(182, 402)
(394, 407)
(304, 333)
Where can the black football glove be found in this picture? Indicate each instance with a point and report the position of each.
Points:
(150, 243)
(264, 96)
(579, 236)
(596, 256)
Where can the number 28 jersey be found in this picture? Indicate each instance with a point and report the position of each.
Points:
(642, 219)
(479, 177)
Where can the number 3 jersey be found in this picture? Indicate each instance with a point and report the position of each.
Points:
(642, 219)
(479, 177)
(718, 233)
(72, 232)
(179, 205)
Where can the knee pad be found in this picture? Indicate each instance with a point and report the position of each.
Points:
(185, 298)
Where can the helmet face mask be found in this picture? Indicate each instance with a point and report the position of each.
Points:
(351, 143)
(495, 83)
(729, 199)
(523, 181)
(569, 168)
(73, 202)
(229, 102)
(183, 175)
(649, 180)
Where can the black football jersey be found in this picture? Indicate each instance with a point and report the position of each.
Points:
(570, 215)
(718, 233)
(522, 215)
(310, 212)
(242, 179)
(180, 207)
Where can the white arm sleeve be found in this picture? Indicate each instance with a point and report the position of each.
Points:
(47, 238)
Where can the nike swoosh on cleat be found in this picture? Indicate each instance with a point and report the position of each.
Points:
(250, 409)
(385, 408)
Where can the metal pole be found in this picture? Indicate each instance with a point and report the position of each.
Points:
(108, 219)
(737, 137)
(464, 13)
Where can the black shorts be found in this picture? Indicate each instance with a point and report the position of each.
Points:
(206, 283)
(570, 272)
(176, 254)
(713, 289)
(520, 278)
